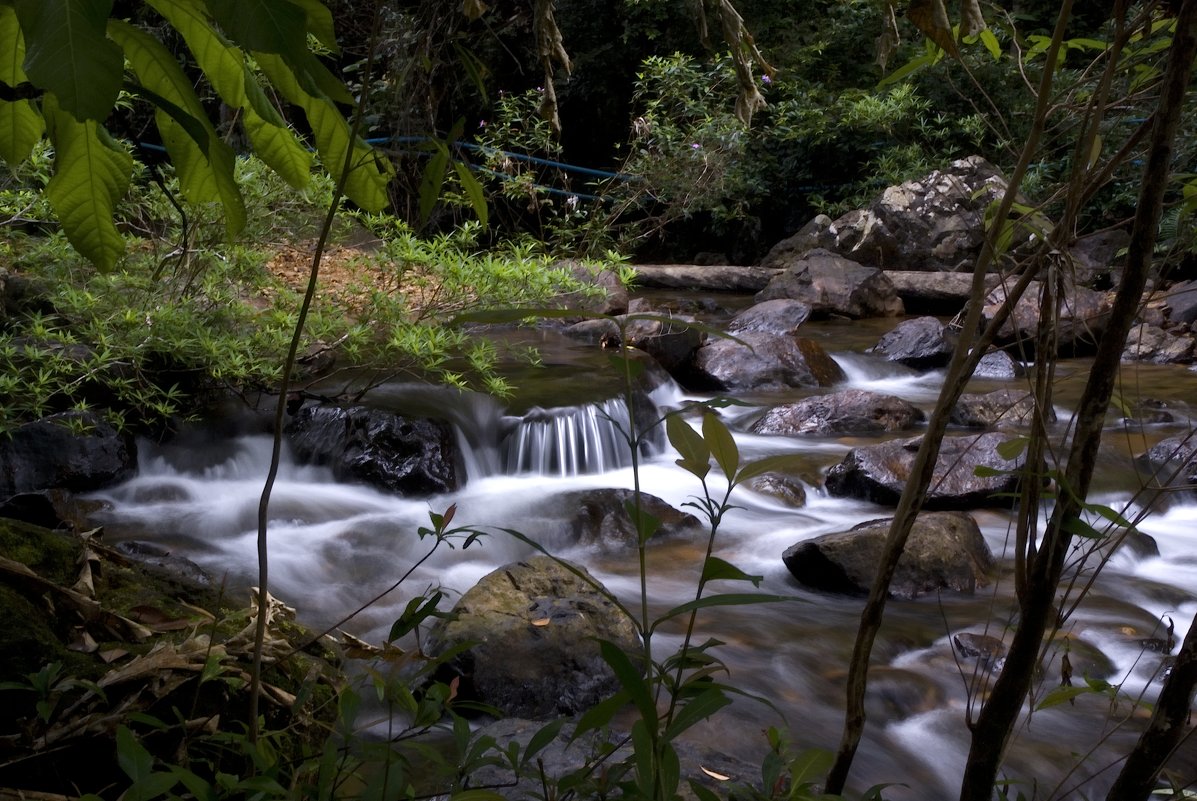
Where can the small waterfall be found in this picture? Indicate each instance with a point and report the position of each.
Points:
(572, 440)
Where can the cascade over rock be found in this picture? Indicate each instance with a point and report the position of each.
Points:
(945, 551)
(534, 628)
(406, 455)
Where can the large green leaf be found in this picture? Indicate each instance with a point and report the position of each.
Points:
(369, 172)
(267, 26)
(204, 164)
(320, 22)
(91, 173)
(21, 126)
(68, 54)
(222, 64)
(226, 69)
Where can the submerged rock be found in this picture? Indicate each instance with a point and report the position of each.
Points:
(945, 551)
(409, 456)
(790, 491)
(600, 517)
(534, 628)
(780, 316)
(852, 411)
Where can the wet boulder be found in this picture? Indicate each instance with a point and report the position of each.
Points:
(945, 551)
(1001, 408)
(600, 517)
(405, 455)
(533, 629)
(668, 338)
(780, 316)
(1171, 462)
(1093, 257)
(923, 343)
(997, 365)
(757, 360)
(834, 285)
(1084, 315)
(878, 472)
(77, 451)
(851, 411)
(1180, 303)
(1149, 343)
(606, 294)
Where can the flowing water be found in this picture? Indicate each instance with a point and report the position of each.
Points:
(333, 546)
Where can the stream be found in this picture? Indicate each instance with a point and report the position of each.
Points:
(333, 546)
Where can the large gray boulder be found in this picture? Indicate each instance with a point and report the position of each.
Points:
(923, 343)
(851, 411)
(533, 629)
(671, 339)
(1170, 462)
(1093, 258)
(1180, 302)
(405, 455)
(945, 551)
(833, 285)
(1002, 408)
(934, 223)
(600, 517)
(75, 451)
(757, 360)
(998, 365)
(878, 473)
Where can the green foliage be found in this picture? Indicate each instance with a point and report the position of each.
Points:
(75, 57)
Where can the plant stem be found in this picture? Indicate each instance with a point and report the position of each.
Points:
(280, 407)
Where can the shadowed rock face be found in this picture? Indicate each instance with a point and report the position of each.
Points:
(879, 472)
(409, 456)
(1002, 408)
(76, 451)
(535, 627)
(945, 551)
(600, 517)
(852, 411)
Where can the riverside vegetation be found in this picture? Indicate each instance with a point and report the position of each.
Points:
(167, 330)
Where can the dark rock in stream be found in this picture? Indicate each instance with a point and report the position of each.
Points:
(668, 338)
(76, 451)
(790, 491)
(780, 316)
(923, 343)
(409, 456)
(600, 517)
(1149, 343)
(535, 628)
(851, 411)
(998, 365)
(878, 472)
(764, 361)
(945, 551)
(1084, 315)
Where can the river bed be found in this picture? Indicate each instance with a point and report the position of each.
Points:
(333, 546)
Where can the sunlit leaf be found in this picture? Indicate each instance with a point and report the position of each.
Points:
(1012, 448)
(473, 190)
(91, 173)
(21, 126)
(690, 444)
(722, 444)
